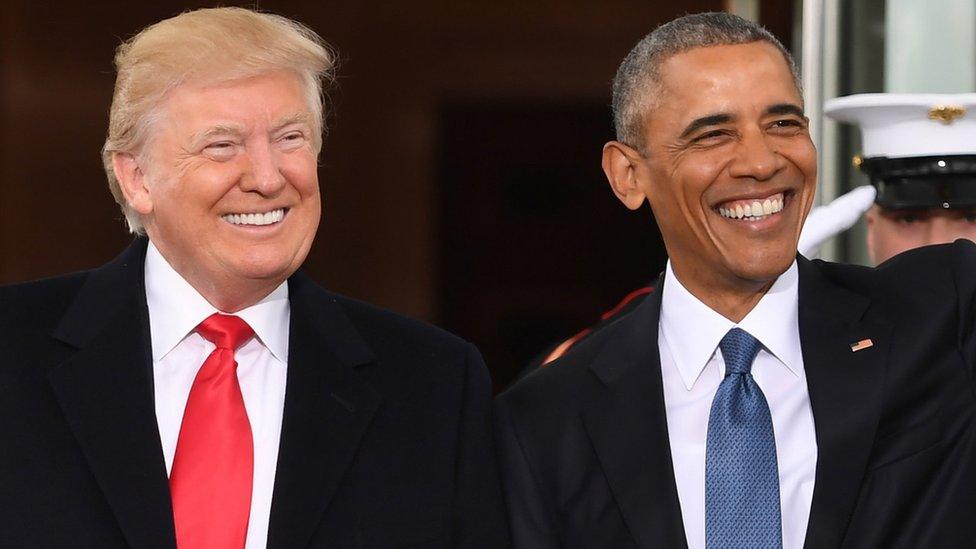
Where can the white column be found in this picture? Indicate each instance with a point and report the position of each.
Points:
(746, 9)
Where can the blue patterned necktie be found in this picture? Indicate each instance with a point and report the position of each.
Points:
(741, 478)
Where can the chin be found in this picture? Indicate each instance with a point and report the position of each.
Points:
(266, 272)
(262, 268)
(268, 261)
(765, 268)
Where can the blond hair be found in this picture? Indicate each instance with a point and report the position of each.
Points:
(205, 46)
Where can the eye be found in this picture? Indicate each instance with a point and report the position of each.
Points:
(908, 218)
(710, 137)
(292, 140)
(788, 126)
(220, 150)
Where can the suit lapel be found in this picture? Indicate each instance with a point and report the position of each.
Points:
(845, 394)
(105, 391)
(328, 407)
(626, 422)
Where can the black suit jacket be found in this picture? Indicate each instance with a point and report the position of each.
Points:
(584, 449)
(385, 442)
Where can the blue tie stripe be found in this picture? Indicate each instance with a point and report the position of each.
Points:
(742, 508)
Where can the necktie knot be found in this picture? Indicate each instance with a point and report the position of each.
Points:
(739, 349)
(225, 331)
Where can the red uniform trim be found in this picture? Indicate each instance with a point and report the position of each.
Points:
(563, 347)
(626, 300)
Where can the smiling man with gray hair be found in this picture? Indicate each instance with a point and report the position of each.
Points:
(199, 391)
(755, 399)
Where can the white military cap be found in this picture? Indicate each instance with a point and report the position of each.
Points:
(910, 124)
(918, 149)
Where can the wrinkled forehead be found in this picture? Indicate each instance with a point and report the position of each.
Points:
(213, 81)
(728, 70)
(742, 80)
(271, 96)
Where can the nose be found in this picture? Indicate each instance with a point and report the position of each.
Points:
(755, 158)
(263, 174)
(940, 231)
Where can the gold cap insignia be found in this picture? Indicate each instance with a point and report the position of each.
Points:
(947, 114)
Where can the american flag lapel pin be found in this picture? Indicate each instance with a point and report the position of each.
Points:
(861, 345)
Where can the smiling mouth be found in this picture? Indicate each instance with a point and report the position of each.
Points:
(753, 209)
(257, 219)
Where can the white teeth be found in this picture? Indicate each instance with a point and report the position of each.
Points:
(258, 219)
(754, 209)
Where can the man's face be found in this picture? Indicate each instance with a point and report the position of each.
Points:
(729, 168)
(232, 189)
(891, 232)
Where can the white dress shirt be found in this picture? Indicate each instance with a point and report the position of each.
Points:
(692, 368)
(175, 309)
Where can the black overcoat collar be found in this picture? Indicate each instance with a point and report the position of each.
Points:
(328, 407)
(105, 390)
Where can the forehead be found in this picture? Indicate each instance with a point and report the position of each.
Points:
(735, 79)
(265, 96)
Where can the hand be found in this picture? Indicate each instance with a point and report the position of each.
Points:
(827, 221)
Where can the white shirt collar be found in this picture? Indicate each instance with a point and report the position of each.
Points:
(176, 308)
(693, 330)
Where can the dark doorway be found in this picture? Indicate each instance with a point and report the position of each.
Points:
(533, 245)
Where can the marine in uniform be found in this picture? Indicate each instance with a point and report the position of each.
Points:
(920, 152)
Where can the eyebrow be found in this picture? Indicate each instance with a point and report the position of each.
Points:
(299, 118)
(705, 121)
(200, 138)
(220, 129)
(235, 130)
(785, 108)
(725, 118)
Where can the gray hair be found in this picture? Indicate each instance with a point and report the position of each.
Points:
(639, 76)
(205, 46)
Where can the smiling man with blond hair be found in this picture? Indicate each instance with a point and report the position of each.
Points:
(755, 399)
(199, 391)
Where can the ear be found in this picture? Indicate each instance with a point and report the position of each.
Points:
(620, 164)
(132, 180)
(871, 218)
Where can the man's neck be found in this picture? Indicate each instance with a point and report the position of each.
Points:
(731, 299)
(226, 294)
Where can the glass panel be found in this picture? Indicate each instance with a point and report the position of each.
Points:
(906, 46)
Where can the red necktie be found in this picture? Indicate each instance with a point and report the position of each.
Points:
(214, 464)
